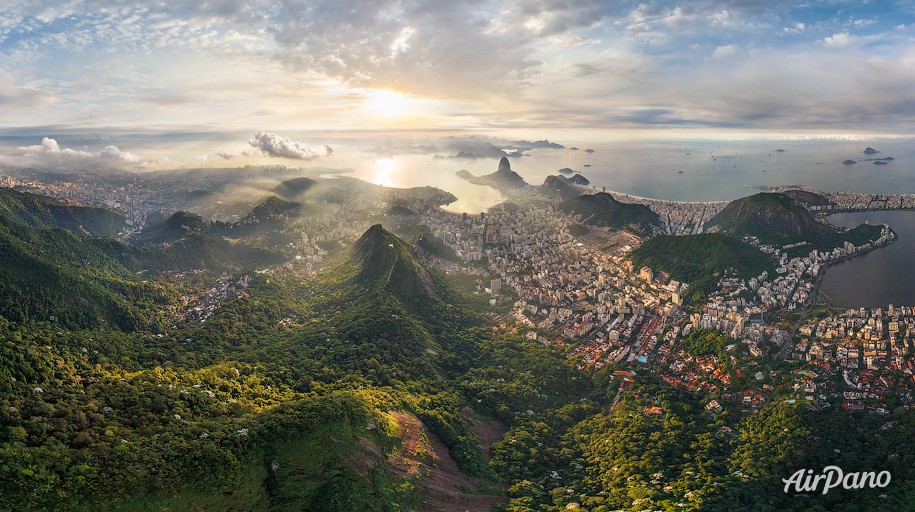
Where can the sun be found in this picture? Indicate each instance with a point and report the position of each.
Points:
(389, 104)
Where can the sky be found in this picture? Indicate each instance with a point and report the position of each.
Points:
(250, 75)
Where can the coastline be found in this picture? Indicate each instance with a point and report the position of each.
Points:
(618, 195)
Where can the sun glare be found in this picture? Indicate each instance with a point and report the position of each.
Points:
(389, 104)
(384, 168)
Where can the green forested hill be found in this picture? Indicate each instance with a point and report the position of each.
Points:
(683, 458)
(773, 218)
(780, 219)
(602, 209)
(697, 259)
(45, 212)
(248, 411)
(371, 386)
(428, 243)
(50, 274)
(690, 257)
(186, 241)
(173, 228)
(560, 186)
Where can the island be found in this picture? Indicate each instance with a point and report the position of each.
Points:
(504, 178)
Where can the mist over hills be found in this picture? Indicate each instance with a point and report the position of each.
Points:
(292, 188)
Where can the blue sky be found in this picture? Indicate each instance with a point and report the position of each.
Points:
(654, 68)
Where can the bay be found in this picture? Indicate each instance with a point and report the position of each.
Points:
(881, 277)
(676, 170)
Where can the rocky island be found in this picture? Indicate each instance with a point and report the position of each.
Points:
(503, 179)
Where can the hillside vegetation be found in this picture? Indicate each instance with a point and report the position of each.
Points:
(698, 259)
(46, 212)
(779, 219)
(372, 385)
(602, 209)
(771, 217)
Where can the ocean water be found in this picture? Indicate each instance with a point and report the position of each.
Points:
(680, 170)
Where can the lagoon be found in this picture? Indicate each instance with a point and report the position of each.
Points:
(881, 277)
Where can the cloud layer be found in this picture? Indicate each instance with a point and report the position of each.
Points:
(710, 64)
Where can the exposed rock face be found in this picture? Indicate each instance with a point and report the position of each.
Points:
(870, 151)
(503, 179)
(504, 165)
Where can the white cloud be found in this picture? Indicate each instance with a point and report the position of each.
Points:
(50, 152)
(725, 51)
(236, 63)
(840, 40)
(797, 28)
(113, 153)
(681, 17)
(47, 145)
(50, 146)
(723, 18)
(273, 145)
